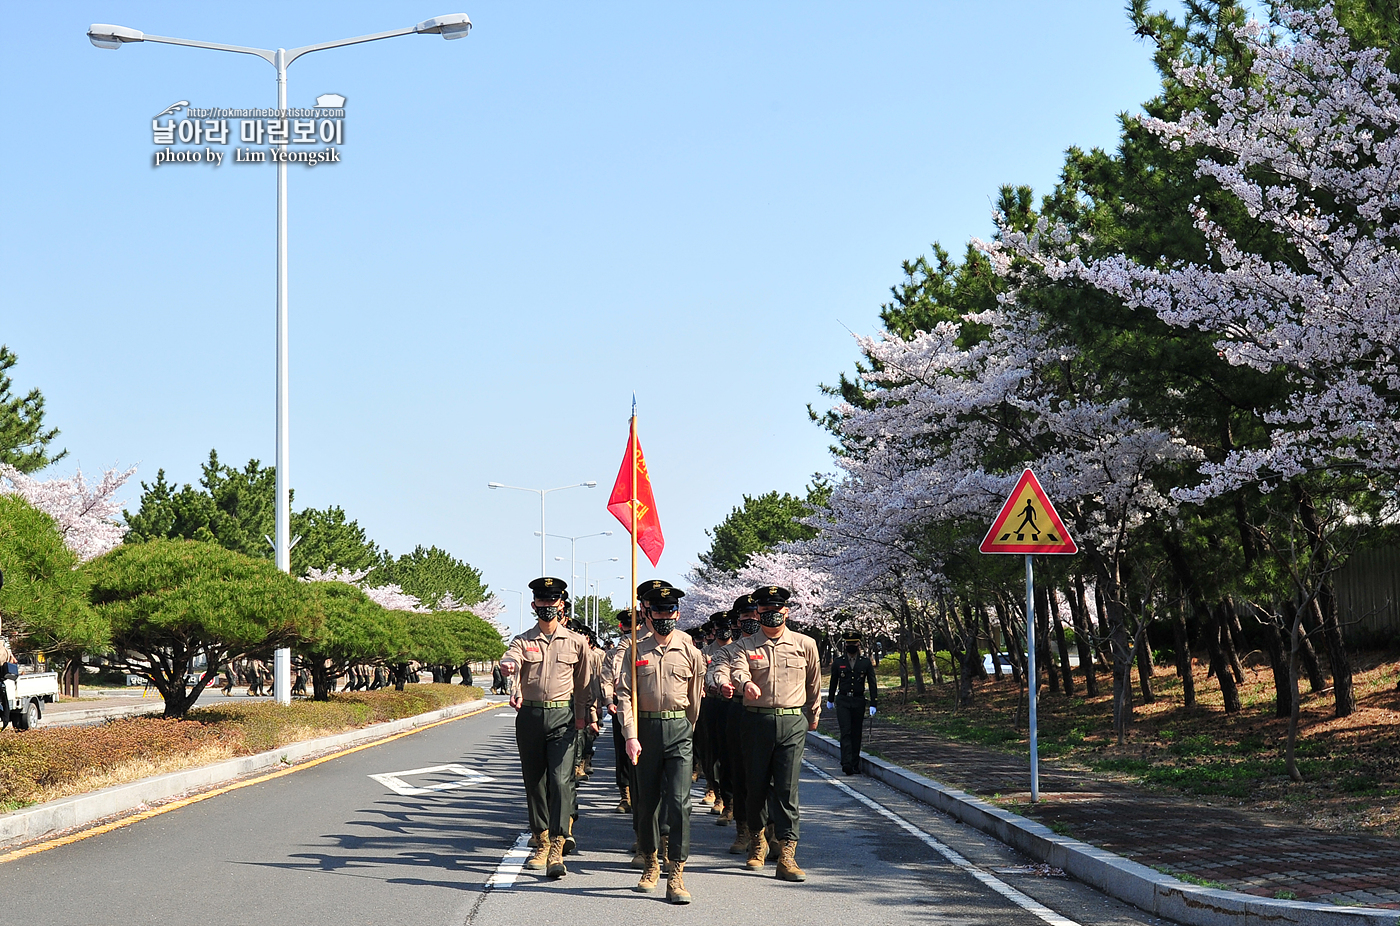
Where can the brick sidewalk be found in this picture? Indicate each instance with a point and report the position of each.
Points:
(1245, 851)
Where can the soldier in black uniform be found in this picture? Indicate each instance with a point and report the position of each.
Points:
(851, 672)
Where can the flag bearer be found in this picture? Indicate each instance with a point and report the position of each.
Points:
(670, 676)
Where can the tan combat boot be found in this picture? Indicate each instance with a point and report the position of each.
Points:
(664, 853)
(675, 884)
(725, 816)
(534, 842)
(787, 863)
(639, 859)
(709, 797)
(579, 773)
(651, 873)
(536, 861)
(758, 851)
(625, 805)
(741, 838)
(556, 858)
(717, 805)
(570, 844)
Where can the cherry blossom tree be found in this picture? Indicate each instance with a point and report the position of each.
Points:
(86, 513)
(1308, 143)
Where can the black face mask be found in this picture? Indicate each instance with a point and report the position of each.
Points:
(853, 649)
(771, 619)
(661, 626)
(546, 612)
(749, 626)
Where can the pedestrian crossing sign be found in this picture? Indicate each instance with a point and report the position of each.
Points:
(1028, 523)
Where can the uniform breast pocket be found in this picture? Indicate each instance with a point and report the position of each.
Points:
(531, 666)
(564, 668)
(647, 679)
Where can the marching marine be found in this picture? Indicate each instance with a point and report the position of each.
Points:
(670, 678)
(779, 673)
(551, 701)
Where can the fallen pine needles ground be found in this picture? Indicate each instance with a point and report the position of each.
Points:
(46, 764)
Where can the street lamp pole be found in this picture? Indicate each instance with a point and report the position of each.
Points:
(451, 26)
(544, 566)
(520, 620)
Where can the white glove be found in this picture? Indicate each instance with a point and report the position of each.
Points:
(872, 710)
(830, 706)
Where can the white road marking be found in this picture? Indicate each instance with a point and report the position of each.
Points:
(511, 864)
(509, 713)
(1026, 903)
(467, 777)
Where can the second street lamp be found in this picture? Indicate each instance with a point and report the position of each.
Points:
(544, 564)
(104, 35)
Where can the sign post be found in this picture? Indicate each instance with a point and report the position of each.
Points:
(1028, 524)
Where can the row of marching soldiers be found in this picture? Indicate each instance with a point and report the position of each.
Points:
(757, 686)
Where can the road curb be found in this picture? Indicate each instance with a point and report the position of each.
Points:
(66, 813)
(1116, 876)
(67, 718)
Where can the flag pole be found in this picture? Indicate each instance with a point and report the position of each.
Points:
(632, 450)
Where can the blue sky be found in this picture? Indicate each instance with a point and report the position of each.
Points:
(695, 203)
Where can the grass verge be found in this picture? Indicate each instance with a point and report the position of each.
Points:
(46, 764)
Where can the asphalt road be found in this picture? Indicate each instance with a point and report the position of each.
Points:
(432, 840)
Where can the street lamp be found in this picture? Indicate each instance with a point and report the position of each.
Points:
(544, 567)
(103, 35)
(610, 559)
(573, 567)
(520, 621)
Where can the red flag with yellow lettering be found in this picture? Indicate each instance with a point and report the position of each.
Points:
(631, 494)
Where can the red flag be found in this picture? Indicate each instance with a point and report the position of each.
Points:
(626, 489)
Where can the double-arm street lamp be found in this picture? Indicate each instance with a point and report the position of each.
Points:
(451, 26)
(573, 542)
(544, 564)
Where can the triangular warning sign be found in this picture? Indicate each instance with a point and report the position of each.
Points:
(1028, 523)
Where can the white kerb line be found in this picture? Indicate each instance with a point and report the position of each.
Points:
(511, 864)
(1026, 903)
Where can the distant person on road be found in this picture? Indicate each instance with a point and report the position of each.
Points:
(7, 659)
(852, 674)
(551, 701)
(498, 680)
(256, 671)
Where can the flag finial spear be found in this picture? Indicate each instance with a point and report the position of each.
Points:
(634, 405)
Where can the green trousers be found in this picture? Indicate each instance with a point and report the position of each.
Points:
(773, 746)
(663, 785)
(545, 739)
(850, 716)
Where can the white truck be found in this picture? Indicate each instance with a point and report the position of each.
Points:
(25, 693)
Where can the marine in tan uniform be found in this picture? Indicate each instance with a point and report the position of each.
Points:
(607, 683)
(551, 701)
(779, 673)
(670, 673)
